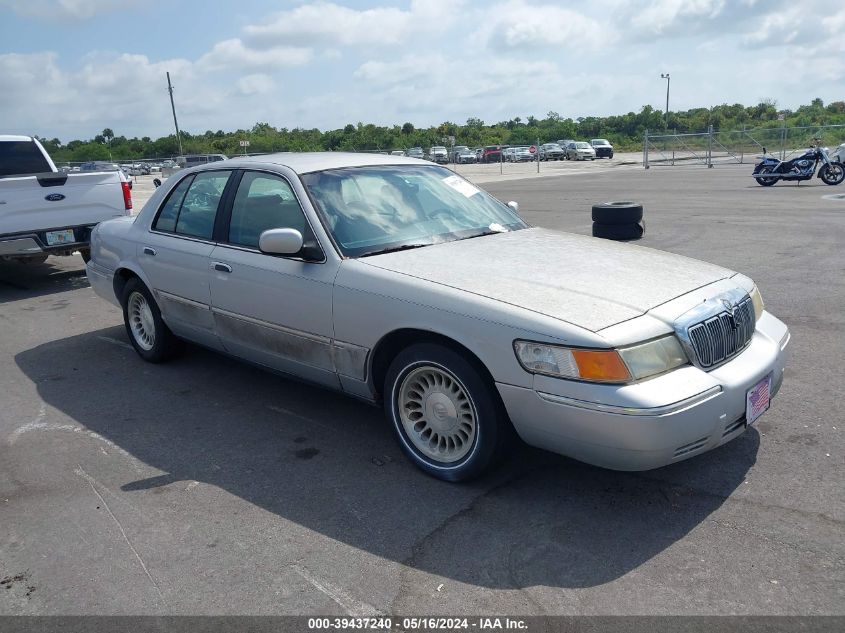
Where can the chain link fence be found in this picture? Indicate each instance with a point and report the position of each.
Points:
(733, 147)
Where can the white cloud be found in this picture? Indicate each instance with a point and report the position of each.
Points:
(326, 23)
(520, 25)
(256, 84)
(63, 9)
(233, 53)
(323, 65)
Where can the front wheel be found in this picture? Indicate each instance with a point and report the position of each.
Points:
(449, 421)
(832, 174)
(765, 182)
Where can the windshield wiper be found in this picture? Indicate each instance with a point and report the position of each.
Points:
(404, 247)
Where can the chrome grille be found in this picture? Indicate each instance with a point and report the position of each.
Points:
(724, 335)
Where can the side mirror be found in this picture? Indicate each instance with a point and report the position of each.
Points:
(280, 242)
(514, 205)
(157, 182)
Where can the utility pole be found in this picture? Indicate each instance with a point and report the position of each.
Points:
(173, 107)
(666, 77)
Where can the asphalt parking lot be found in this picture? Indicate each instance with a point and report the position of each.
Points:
(206, 486)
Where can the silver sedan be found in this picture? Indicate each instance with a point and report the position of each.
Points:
(400, 283)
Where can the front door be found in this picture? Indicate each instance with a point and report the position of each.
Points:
(273, 310)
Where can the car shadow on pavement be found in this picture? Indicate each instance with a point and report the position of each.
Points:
(330, 464)
(26, 281)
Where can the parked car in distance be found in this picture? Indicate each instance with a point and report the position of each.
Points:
(464, 155)
(520, 154)
(415, 152)
(192, 160)
(580, 150)
(550, 151)
(491, 154)
(479, 154)
(603, 147)
(420, 292)
(397, 152)
(564, 143)
(438, 154)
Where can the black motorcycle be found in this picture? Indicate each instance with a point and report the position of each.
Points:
(801, 168)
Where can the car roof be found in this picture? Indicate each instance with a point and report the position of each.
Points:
(307, 162)
(13, 138)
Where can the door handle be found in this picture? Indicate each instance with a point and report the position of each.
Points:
(221, 267)
(149, 251)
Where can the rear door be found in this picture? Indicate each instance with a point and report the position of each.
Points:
(176, 254)
(270, 309)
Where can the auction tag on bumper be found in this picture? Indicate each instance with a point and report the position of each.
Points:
(60, 237)
(757, 400)
(461, 186)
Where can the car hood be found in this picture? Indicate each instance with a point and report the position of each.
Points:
(589, 282)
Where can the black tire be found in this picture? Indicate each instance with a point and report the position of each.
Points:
(164, 345)
(832, 174)
(619, 232)
(765, 182)
(493, 434)
(614, 213)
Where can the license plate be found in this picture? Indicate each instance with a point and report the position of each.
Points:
(757, 400)
(60, 237)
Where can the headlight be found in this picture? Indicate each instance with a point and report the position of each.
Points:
(757, 302)
(654, 357)
(602, 365)
(596, 365)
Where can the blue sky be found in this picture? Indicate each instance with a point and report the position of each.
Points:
(69, 68)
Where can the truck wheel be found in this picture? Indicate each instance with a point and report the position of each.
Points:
(617, 213)
(448, 420)
(149, 335)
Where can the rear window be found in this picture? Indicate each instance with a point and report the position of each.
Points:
(21, 157)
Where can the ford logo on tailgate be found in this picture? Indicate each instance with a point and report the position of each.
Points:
(55, 197)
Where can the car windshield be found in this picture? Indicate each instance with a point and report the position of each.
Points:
(582, 145)
(600, 141)
(370, 210)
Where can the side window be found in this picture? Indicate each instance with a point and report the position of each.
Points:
(263, 202)
(199, 208)
(166, 220)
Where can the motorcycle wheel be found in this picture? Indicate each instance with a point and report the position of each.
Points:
(832, 174)
(765, 182)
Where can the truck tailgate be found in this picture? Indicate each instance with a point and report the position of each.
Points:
(84, 198)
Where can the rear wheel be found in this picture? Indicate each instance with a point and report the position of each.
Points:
(449, 421)
(832, 174)
(766, 182)
(148, 333)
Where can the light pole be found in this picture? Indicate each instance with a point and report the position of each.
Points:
(666, 77)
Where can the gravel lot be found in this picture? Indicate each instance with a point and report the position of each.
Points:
(206, 486)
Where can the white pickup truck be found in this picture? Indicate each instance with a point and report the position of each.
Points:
(47, 212)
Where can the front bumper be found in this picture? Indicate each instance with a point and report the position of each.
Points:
(653, 423)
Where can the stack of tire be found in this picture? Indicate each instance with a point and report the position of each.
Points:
(621, 221)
